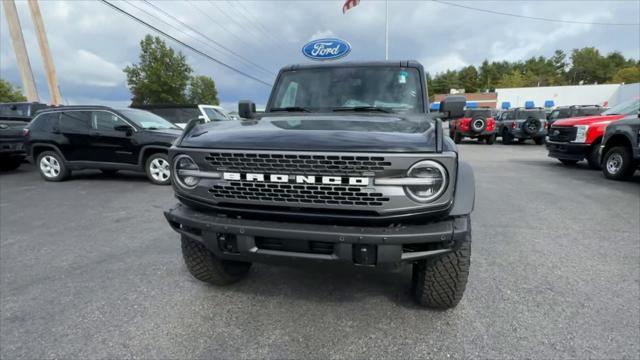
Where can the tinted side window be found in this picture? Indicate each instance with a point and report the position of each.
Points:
(105, 121)
(45, 122)
(75, 121)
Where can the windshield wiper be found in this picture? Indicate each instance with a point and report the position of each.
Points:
(362, 108)
(292, 109)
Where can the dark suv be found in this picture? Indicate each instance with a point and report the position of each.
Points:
(345, 166)
(476, 124)
(522, 124)
(63, 139)
(620, 150)
(13, 119)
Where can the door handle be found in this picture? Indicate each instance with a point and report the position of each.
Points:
(94, 134)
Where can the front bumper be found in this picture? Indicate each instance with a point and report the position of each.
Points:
(567, 151)
(469, 133)
(282, 242)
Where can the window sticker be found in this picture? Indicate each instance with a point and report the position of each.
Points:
(402, 77)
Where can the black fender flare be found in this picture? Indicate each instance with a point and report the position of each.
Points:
(465, 195)
(44, 145)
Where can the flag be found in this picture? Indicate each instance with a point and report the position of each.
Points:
(349, 4)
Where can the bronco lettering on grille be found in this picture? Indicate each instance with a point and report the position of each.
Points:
(298, 179)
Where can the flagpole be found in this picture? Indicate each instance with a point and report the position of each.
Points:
(386, 29)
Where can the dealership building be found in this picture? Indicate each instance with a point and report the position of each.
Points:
(551, 96)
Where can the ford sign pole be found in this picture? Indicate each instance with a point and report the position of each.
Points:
(386, 29)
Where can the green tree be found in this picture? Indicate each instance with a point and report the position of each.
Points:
(468, 77)
(588, 67)
(628, 75)
(559, 63)
(161, 76)
(514, 79)
(10, 94)
(202, 90)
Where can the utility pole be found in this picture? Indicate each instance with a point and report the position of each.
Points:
(22, 57)
(49, 67)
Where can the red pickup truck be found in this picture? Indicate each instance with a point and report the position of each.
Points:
(572, 140)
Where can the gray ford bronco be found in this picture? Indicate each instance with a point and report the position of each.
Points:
(523, 124)
(346, 165)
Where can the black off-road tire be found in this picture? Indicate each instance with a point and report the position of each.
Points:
(626, 169)
(593, 158)
(439, 283)
(205, 266)
(491, 139)
(63, 172)
(539, 140)
(507, 138)
(9, 164)
(568, 162)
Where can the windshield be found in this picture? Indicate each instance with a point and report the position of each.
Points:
(624, 108)
(215, 115)
(147, 120)
(326, 89)
(18, 110)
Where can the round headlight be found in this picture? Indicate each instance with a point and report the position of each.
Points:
(434, 181)
(184, 170)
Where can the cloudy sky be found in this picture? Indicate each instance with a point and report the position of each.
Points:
(92, 43)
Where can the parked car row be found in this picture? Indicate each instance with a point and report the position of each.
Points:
(576, 139)
(61, 139)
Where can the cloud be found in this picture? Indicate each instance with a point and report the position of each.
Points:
(91, 42)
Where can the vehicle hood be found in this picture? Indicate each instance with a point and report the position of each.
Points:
(587, 120)
(174, 133)
(317, 132)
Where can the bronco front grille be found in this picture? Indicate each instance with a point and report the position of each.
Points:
(297, 194)
(563, 134)
(297, 164)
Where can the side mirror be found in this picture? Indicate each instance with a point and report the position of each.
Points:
(125, 128)
(453, 107)
(246, 109)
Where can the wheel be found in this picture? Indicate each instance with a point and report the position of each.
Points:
(568, 162)
(52, 167)
(205, 266)
(109, 172)
(618, 164)
(539, 140)
(491, 139)
(157, 169)
(457, 138)
(507, 138)
(10, 164)
(594, 157)
(440, 282)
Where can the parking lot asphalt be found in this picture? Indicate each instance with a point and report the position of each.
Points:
(90, 269)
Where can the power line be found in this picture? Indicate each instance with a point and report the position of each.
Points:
(250, 20)
(208, 38)
(534, 17)
(234, 20)
(213, 21)
(179, 30)
(238, 71)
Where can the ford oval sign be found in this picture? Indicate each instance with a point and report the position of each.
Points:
(326, 49)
